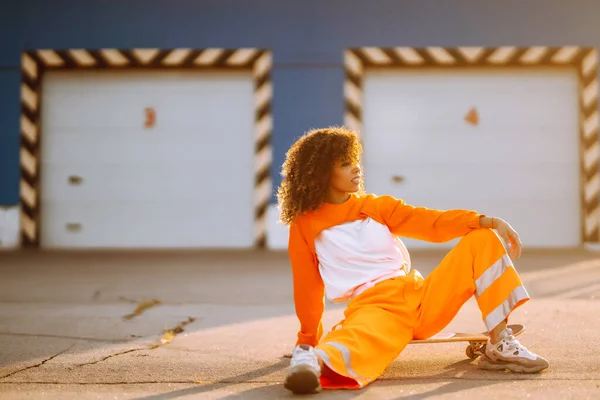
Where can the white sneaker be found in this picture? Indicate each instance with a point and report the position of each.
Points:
(305, 371)
(509, 354)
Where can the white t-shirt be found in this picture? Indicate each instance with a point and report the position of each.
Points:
(354, 256)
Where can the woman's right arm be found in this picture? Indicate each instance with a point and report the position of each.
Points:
(309, 290)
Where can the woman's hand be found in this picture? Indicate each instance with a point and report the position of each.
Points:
(510, 236)
(506, 232)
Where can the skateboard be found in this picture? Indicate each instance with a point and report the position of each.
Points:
(477, 341)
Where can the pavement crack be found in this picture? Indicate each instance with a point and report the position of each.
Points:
(169, 334)
(142, 306)
(165, 338)
(113, 355)
(38, 364)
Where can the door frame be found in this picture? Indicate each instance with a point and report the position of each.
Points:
(34, 63)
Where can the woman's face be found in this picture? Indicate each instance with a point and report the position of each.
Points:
(345, 176)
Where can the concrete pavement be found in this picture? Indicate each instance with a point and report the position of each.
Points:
(222, 320)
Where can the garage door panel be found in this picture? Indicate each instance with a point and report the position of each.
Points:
(169, 117)
(498, 179)
(149, 224)
(116, 81)
(490, 91)
(184, 181)
(444, 145)
(122, 104)
(441, 130)
(453, 119)
(520, 162)
(99, 148)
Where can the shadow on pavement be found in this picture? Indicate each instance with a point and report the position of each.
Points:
(236, 380)
(453, 386)
(277, 391)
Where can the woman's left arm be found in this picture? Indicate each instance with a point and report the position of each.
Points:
(441, 225)
(425, 223)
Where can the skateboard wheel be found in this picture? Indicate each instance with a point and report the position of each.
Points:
(475, 349)
(470, 351)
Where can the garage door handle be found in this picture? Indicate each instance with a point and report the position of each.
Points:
(75, 180)
(398, 178)
(73, 227)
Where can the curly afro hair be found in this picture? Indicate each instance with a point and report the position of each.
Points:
(307, 169)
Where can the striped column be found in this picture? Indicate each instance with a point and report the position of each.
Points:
(588, 100)
(34, 63)
(584, 60)
(263, 156)
(30, 113)
(353, 91)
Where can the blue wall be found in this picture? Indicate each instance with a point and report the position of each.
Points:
(307, 37)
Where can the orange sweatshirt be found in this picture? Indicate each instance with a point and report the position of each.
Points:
(402, 220)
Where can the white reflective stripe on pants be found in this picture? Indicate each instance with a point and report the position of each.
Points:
(491, 274)
(501, 312)
(347, 360)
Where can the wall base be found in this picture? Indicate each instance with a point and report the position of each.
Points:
(593, 247)
(9, 227)
(277, 233)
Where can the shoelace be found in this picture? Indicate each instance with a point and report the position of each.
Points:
(303, 357)
(511, 342)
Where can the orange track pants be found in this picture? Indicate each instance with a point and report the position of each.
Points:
(382, 320)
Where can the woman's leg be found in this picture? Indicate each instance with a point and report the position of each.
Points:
(378, 324)
(479, 266)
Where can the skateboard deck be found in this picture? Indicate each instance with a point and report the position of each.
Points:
(477, 341)
(447, 337)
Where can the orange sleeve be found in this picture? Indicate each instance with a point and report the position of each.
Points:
(309, 290)
(424, 223)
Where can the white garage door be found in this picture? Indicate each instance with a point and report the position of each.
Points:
(186, 182)
(520, 163)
